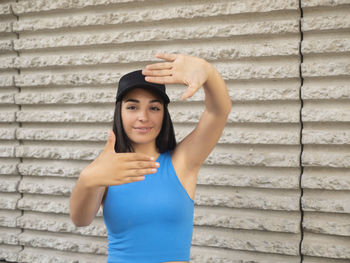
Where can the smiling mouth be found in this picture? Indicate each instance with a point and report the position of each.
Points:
(143, 129)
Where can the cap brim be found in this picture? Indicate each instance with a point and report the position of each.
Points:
(164, 97)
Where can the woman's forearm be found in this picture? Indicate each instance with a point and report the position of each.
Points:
(217, 99)
(85, 201)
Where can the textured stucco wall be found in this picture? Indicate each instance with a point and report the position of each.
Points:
(275, 188)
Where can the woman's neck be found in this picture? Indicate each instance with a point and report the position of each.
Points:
(150, 150)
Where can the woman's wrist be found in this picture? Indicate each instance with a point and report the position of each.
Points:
(87, 179)
(210, 71)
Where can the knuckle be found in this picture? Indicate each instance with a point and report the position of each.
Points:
(119, 157)
(138, 156)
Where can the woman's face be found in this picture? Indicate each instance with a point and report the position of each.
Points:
(142, 116)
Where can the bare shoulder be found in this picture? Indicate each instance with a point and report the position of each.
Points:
(180, 162)
(181, 159)
(186, 175)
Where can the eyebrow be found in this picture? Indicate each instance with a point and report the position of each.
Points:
(137, 101)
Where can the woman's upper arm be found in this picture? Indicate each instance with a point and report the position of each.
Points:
(104, 196)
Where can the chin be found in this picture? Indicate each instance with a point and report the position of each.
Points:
(138, 140)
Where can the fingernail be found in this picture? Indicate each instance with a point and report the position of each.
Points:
(157, 164)
(152, 158)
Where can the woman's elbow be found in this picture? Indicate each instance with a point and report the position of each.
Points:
(78, 221)
(227, 108)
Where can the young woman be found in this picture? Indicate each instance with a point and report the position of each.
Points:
(144, 180)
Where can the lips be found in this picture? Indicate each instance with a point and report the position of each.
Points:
(143, 129)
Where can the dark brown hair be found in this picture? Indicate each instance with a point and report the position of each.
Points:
(165, 140)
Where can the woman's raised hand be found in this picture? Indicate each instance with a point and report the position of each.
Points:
(111, 168)
(179, 69)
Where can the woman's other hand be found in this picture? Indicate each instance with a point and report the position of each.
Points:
(179, 69)
(111, 168)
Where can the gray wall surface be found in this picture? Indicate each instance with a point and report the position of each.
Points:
(276, 188)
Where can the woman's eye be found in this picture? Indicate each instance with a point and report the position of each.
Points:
(155, 108)
(131, 107)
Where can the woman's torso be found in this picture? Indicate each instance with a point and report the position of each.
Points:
(187, 180)
(156, 211)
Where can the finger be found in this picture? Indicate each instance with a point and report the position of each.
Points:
(186, 95)
(161, 80)
(140, 172)
(128, 180)
(157, 73)
(110, 141)
(189, 92)
(139, 178)
(166, 56)
(137, 157)
(141, 164)
(163, 65)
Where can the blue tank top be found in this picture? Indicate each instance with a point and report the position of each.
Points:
(149, 221)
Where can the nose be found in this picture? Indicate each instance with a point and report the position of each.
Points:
(143, 115)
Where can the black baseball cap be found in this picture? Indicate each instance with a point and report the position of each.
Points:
(135, 79)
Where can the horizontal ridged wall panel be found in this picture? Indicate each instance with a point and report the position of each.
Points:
(247, 199)
(9, 176)
(326, 119)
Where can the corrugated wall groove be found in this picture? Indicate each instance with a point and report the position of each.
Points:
(19, 124)
(326, 72)
(301, 136)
